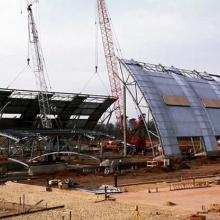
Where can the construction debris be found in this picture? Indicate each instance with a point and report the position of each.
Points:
(214, 208)
(190, 185)
(62, 184)
(170, 203)
(197, 217)
(54, 182)
(11, 209)
(107, 188)
(217, 181)
(31, 211)
(35, 205)
(107, 196)
(65, 184)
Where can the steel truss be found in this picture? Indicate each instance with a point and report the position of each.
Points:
(142, 105)
(187, 73)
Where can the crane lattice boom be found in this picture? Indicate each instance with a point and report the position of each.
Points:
(111, 59)
(38, 65)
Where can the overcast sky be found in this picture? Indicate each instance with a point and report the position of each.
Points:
(182, 33)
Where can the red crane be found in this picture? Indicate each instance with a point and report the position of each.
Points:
(111, 59)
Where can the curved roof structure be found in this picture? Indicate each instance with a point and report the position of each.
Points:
(19, 109)
(183, 103)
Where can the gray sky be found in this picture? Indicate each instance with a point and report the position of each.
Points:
(184, 34)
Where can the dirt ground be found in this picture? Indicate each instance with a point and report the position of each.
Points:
(152, 206)
(189, 200)
(193, 168)
(83, 205)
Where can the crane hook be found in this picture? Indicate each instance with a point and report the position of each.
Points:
(28, 61)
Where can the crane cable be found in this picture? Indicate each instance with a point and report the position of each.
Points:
(96, 70)
(97, 48)
(96, 61)
(21, 11)
(87, 83)
(25, 67)
(96, 41)
(38, 21)
(17, 76)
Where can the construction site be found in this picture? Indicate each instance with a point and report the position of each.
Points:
(66, 155)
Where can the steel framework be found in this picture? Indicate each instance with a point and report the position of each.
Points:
(19, 109)
(143, 107)
(188, 73)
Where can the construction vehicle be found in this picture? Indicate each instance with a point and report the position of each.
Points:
(117, 145)
(138, 135)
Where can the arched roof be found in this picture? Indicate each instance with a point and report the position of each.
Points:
(183, 103)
